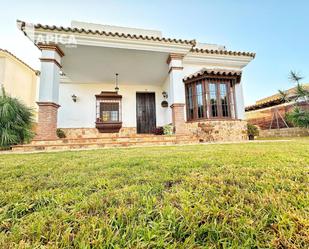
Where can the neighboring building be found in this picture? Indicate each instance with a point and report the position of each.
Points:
(196, 87)
(19, 79)
(269, 112)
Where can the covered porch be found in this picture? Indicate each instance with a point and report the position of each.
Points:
(114, 89)
(79, 87)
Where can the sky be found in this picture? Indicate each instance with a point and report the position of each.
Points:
(277, 31)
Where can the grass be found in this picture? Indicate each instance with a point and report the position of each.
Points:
(202, 196)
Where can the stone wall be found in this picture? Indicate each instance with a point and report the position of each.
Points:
(285, 132)
(217, 130)
(204, 131)
(73, 133)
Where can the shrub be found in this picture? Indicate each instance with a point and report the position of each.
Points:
(15, 122)
(298, 117)
(158, 131)
(168, 129)
(60, 133)
(252, 131)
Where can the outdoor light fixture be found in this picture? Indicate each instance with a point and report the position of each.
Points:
(164, 103)
(117, 87)
(74, 98)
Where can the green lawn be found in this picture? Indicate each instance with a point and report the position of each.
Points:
(203, 196)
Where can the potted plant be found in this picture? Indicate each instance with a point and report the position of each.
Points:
(252, 131)
(158, 131)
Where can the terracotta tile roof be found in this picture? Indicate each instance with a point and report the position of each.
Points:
(113, 34)
(223, 52)
(193, 42)
(15, 57)
(206, 71)
(274, 99)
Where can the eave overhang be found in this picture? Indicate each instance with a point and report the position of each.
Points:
(109, 39)
(236, 62)
(204, 73)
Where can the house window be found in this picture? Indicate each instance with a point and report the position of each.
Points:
(213, 99)
(190, 108)
(108, 112)
(199, 100)
(224, 100)
(208, 98)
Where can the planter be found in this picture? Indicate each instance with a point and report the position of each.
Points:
(108, 127)
(251, 137)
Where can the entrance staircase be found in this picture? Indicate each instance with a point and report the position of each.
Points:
(108, 141)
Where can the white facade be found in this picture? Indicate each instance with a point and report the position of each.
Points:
(82, 113)
(144, 60)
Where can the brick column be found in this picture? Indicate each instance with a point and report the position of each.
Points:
(177, 92)
(47, 120)
(49, 91)
(178, 118)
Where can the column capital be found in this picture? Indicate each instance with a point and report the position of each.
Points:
(53, 47)
(43, 103)
(174, 56)
(177, 105)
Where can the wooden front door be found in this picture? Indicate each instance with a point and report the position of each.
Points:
(145, 112)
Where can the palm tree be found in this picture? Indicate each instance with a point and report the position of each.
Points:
(295, 77)
(297, 116)
(15, 121)
(300, 92)
(284, 96)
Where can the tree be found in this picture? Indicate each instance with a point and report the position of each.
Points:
(284, 96)
(16, 121)
(300, 92)
(297, 116)
(295, 77)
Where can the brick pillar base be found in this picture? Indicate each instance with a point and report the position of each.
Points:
(178, 117)
(47, 121)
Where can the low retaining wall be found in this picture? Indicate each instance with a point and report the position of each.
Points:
(208, 131)
(203, 131)
(285, 132)
(73, 133)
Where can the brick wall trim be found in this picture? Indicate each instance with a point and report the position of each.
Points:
(178, 118)
(47, 121)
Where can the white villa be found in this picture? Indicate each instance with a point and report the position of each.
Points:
(109, 79)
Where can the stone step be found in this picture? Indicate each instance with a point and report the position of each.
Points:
(95, 145)
(111, 139)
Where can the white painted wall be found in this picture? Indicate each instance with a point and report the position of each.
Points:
(176, 85)
(49, 78)
(2, 71)
(82, 113)
(240, 105)
(168, 110)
